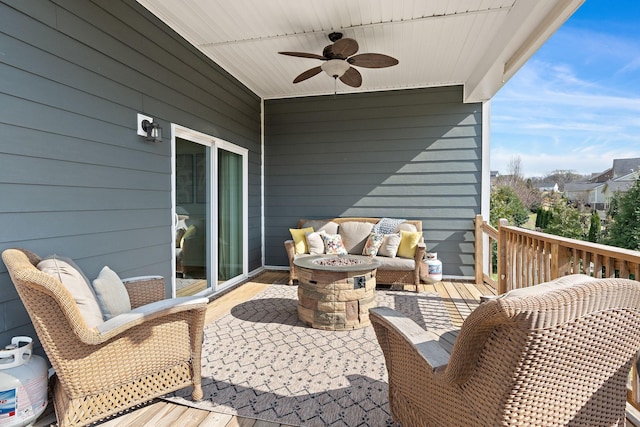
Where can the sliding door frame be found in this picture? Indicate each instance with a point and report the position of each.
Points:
(214, 144)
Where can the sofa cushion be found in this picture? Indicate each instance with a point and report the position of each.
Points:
(333, 244)
(373, 244)
(389, 246)
(299, 239)
(397, 263)
(408, 243)
(354, 235)
(111, 293)
(72, 278)
(315, 242)
(320, 225)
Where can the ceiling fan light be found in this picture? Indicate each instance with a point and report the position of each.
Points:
(335, 67)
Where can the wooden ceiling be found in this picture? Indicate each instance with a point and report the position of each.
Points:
(477, 43)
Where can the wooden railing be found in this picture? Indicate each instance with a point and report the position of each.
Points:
(527, 258)
(484, 254)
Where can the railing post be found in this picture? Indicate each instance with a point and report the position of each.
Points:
(502, 256)
(479, 247)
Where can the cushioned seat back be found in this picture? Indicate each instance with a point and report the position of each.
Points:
(354, 235)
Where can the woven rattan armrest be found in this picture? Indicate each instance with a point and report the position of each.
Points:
(290, 247)
(144, 289)
(122, 322)
(426, 343)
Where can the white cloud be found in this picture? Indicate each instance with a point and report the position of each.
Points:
(555, 115)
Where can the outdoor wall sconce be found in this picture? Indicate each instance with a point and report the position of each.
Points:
(153, 130)
(149, 128)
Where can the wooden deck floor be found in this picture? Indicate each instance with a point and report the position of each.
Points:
(460, 299)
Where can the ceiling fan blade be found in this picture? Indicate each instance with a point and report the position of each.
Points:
(352, 77)
(303, 55)
(307, 74)
(373, 60)
(344, 48)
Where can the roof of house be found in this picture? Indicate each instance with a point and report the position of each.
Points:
(573, 187)
(622, 167)
(479, 44)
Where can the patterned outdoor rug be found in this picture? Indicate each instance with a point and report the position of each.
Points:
(261, 362)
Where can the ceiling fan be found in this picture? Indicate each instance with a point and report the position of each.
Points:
(339, 58)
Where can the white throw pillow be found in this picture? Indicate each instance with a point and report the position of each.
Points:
(389, 246)
(72, 278)
(111, 294)
(315, 242)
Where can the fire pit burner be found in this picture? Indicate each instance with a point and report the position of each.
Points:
(338, 262)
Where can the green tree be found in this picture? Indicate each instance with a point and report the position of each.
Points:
(594, 228)
(564, 220)
(624, 230)
(506, 204)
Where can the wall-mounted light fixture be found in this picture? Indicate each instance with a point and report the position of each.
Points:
(149, 128)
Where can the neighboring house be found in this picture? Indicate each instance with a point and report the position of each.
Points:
(244, 153)
(619, 185)
(600, 188)
(548, 187)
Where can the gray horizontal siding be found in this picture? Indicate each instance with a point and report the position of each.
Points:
(413, 154)
(75, 177)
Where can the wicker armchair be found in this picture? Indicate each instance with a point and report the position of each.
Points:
(132, 358)
(561, 357)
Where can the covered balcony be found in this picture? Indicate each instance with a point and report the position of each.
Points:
(525, 258)
(256, 151)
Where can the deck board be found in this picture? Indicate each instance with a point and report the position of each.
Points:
(459, 298)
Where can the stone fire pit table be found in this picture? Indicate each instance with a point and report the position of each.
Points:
(335, 292)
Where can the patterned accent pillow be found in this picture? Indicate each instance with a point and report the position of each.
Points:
(387, 225)
(373, 244)
(333, 244)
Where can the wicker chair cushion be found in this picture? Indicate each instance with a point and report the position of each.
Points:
(148, 311)
(559, 283)
(299, 239)
(408, 243)
(72, 278)
(354, 235)
(111, 294)
(389, 246)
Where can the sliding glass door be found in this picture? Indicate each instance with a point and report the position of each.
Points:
(230, 208)
(210, 201)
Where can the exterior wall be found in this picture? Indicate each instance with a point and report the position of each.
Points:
(413, 154)
(75, 178)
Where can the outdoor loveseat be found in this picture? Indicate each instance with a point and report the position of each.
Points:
(400, 245)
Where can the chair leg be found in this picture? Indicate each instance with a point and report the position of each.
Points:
(197, 393)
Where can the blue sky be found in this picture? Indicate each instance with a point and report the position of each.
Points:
(575, 105)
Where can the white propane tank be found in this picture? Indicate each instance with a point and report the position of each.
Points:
(23, 384)
(434, 268)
